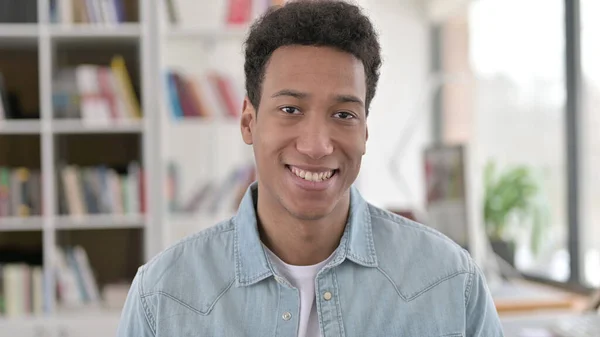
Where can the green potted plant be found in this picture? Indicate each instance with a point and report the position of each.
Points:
(512, 199)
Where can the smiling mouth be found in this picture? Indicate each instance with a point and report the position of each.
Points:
(312, 175)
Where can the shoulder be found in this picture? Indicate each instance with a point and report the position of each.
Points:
(200, 264)
(429, 256)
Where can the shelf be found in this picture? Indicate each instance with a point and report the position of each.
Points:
(110, 221)
(203, 122)
(85, 32)
(19, 30)
(20, 127)
(77, 126)
(206, 34)
(15, 224)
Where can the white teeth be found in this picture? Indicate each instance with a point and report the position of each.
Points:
(312, 176)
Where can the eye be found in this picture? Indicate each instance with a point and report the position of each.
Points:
(344, 115)
(290, 110)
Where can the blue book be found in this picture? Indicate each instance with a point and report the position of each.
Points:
(173, 96)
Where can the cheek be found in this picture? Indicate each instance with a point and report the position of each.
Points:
(268, 141)
(355, 146)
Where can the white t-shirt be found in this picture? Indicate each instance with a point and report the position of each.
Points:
(303, 278)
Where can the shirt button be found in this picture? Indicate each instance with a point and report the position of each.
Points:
(286, 316)
(327, 296)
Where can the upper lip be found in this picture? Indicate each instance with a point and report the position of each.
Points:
(311, 168)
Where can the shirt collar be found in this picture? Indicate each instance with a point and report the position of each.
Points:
(251, 265)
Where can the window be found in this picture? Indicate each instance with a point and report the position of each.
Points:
(517, 57)
(590, 143)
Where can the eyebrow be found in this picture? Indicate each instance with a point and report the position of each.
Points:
(301, 95)
(291, 93)
(349, 99)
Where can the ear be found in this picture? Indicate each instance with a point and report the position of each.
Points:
(247, 121)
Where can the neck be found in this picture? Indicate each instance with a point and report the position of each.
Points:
(297, 241)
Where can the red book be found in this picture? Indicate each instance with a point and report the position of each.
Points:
(227, 94)
(240, 12)
(184, 96)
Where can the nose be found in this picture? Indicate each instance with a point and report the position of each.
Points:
(314, 140)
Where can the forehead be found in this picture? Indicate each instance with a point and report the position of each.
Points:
(299, 66)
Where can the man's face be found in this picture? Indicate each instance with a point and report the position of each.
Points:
(310, 132)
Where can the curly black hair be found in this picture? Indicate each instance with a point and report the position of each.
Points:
(331, 23)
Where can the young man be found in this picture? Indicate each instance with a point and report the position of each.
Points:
(306, 255)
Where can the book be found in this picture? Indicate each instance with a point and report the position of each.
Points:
(125, 85)
(227, 93)
(3, 105)
(201, 96)
(173, 95)
(101, 190)
(66, 9)
(5, 192)
(21, 289)
(95, 94)
(68, 289)
(239, 12)
(213, 196)
(95, 108)
(75, 280)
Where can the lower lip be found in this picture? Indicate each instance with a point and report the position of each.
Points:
(312, 185)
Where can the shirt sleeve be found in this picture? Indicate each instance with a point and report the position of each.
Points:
(135, 317)
(482, 317)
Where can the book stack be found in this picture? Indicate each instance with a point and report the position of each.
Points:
(21, 289)
(20, 192)
(101, 190)
(75, 280)
(212, 196)
(18, 11)
(206, 96)
(96, 94)
(87, 11)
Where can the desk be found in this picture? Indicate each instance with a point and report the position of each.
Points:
(522, 296)
(515, 326)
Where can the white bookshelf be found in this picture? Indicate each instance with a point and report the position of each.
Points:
(211, 147)
(19, 30)
(15, 224)
(74, 126)
(67, 222)
(199, 34)
(85, 32)
(20, 127)
(194, 47)
(89, 222)
(47, 38)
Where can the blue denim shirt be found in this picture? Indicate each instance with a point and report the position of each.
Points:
(389, 277)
